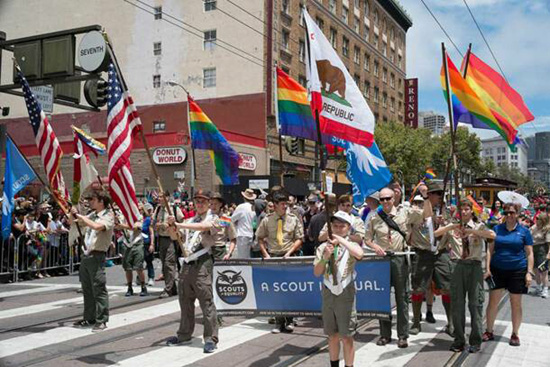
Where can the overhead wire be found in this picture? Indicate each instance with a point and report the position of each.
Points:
(442, 28)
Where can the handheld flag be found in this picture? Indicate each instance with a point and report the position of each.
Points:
(205, 135)
(89, 144)
(476, 208)
(367, 170)
(343, 112)
(17, 175)
(430, 174)
(84, 172)
(123, 124)
(47, 143)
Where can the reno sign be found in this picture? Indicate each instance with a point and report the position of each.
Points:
(169, 155)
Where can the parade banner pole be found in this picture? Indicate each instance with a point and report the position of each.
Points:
(467, 61)
(278, 126)
(193, 167)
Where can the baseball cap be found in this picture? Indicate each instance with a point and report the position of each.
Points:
(342, 216)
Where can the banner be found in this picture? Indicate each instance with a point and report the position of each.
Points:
(411, 102)
(277, 287)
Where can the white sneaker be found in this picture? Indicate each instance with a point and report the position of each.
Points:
(151, 282)
(277, 330)
(544, 293)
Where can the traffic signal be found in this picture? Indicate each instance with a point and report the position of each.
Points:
(95, 92)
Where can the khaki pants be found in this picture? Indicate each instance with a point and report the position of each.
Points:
(399, 273)
(195, 282)
(167, 254)
(94, 287)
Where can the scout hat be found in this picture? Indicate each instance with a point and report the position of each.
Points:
(418, 198)
(202, 194)
(249, 194)
(217, 196)
(434, 187)
(342, 216)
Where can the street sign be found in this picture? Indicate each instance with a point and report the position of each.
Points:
(44, 95)
(92, 52)
(259, 184)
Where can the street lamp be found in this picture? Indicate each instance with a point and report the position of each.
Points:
(173, 83)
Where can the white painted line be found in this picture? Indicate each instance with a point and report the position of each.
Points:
(39, 289)
(57, 335)
(230, 337)
(390, 355)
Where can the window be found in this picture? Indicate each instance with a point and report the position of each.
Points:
(210, 39)
(384, 100)
(159, 126)
(209, 5)
(376, 93)
(285, 6)
(392, 34)
(366, 62)
(384, 49)
(376, 68)
(357, 79)
(156, 81)
(357, 4)
(392, 80)
(332, 6)
(300, 15)
(399, 61)
(158, 12)
(209, 77)
(345, 12)
(157, 48)
(375, 43)
(345, 46)
(366, 90)
(392, 104)
(356, 57)
(384, 75)
(285, 38)
(366, 6)
(333, 37)
(376, 17)
(302, 51)
(320, 23)
(367, 32)
(302, 80)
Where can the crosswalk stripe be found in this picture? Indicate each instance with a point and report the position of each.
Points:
(62, 334)
(39, 289)
(230, 337)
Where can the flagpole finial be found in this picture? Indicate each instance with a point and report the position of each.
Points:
(16, 64)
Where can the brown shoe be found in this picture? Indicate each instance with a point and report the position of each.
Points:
(514, 340)
(487, 336)
(402, 343)
(383, 341)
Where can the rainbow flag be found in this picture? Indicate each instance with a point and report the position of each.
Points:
(430, 174)
(475, 206)
(468, 106)
(205, 135)
(294, 110)
(225, 221)
(89, 143)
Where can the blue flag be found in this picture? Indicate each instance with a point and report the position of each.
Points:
(367, 170)
(17, 175)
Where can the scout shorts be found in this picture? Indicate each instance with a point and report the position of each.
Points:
(133, 258)
(339, 314)
(427, 265)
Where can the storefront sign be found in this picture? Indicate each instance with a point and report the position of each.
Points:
(169, 155)
(411, 102)
(259, 184)
(247, 162)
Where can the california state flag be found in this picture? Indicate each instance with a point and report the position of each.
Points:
(343, 112)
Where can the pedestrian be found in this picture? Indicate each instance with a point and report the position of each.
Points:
(357, 232)
(280, 234)
(510, 265)
(313, 207)
(338, 308)
(541, 238)
(195, 279)
(133, 254)
(148, 234)
(387, 231)
(243, 219)
(166, 235)
(295, 208)
(465, 240)
(99, 227)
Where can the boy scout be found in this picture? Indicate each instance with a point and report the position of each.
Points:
(465, 243)
(195, 280)
(339, 316)
(132, 259)
(280, 234)
(381, 238)
(345, 204)
(97, 239)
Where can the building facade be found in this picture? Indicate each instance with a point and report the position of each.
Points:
(539, 157)
(433, 121)
(224, 54)
(496, 149)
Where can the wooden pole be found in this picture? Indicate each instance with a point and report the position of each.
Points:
(193, 166)
(467, 60)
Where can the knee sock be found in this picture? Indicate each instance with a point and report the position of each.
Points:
(447, 305)
(335, 363)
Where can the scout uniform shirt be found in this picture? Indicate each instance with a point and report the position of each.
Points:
(345, 265)
(224, 234)
(454, 243)
(381, 234)
(290, 226)
(99, 240)
(420, 234)
(540, 235)
(198, 240)
(160, 217)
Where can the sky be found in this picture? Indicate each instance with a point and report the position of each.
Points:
(518, 32)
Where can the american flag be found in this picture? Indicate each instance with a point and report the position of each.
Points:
(48, 146)
(122, 124)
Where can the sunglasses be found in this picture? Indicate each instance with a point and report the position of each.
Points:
(509, 213)
(386, 199)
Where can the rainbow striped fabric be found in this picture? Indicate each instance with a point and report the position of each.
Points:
(205, 135)
(225, 221)
(430, 174)
(295, 116)
(476, 208)
(90, 144)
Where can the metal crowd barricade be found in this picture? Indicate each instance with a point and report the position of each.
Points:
(6, 257)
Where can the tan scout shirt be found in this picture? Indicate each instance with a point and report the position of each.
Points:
(293, 230)
(453, 242)
(381, 234)
(161, 215)
(350, 266)
(100, 240)
(224, 234)
(420, 236)
(206, 238)
(357, 228)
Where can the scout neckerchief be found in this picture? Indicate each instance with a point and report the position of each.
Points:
(91, 235)
(343, 259)
(192, 242)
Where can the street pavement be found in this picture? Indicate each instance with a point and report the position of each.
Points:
(36, 330)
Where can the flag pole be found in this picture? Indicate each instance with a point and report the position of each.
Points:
(451, 122)
(278, 125)
(467, 61)
(193, 167)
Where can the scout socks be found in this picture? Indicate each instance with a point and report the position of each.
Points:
(335, 363)
(130, 291)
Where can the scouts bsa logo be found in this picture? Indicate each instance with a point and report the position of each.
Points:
(231, 287)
